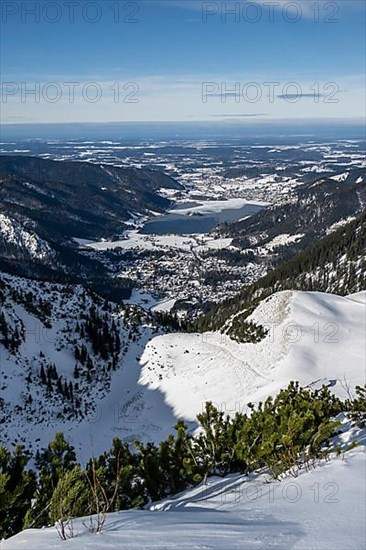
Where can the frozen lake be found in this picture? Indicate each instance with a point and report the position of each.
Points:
(198, 219)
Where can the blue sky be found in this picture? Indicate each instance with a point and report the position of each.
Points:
(173, 60)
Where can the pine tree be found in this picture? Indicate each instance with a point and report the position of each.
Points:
(43, 376)
(71, 392)
(59, 386)
(66, 390)
(357, 407)
(71, 498)
(52, 463)
(17, 487)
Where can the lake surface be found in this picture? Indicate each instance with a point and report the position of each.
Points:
(182, 224)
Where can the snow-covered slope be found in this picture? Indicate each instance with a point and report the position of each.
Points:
(15, 240)
(41, 325)
(314, 338)
(323, 508)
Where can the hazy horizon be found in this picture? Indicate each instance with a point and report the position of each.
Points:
(175, 130)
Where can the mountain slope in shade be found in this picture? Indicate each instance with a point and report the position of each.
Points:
(323, 508)
(62, 199)
(53, 336)
(45, 204)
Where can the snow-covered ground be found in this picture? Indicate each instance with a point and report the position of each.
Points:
(138, 241)
(339, 224)
(340, 177)
(145, 300)
(281, 240)
(165, 305)
(324, 509)
(214, 206)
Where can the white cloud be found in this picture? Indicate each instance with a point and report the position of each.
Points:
(165, 98)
